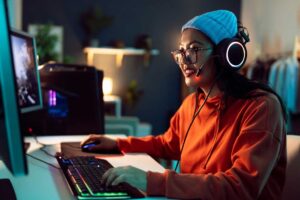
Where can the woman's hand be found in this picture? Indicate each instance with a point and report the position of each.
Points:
(134, 176)
(103, 143)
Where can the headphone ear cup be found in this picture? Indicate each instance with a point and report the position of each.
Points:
(232, 53)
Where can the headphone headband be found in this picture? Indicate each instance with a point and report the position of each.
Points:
(243, 33)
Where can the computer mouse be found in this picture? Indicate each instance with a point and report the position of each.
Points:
(86, 147)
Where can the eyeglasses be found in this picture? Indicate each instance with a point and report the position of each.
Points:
(188, 56)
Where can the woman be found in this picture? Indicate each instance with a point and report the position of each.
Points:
(229, 135)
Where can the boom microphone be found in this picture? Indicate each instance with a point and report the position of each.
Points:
(200, 69)
(203, 65)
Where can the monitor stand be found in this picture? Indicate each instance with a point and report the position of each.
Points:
(7, 190)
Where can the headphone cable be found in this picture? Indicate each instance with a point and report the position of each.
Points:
(194, 117)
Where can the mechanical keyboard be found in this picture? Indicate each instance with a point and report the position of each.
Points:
(84, 175)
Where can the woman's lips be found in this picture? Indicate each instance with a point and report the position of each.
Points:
(189, 72)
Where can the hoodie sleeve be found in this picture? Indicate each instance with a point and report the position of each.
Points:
(165, 145)
(161, 146)
(255, 153)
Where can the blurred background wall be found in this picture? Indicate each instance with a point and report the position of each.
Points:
(159, 83)
(273, 26)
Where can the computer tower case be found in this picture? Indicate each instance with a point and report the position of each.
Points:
(72, 101)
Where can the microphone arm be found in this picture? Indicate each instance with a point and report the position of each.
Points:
(199, 70)
(203, 65)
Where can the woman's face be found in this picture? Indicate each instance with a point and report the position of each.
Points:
(195, 40)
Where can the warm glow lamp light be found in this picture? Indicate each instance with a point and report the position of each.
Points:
(107, 86)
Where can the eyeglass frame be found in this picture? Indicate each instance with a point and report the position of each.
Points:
(183, 53)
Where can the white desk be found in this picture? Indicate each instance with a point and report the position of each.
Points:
(45, 182)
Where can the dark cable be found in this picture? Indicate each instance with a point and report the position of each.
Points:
(42, 161)
(44, 146)
(36, 140)
(194, 117)
(43, 149)
(188, 130)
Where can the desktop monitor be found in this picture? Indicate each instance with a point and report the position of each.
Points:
(19, 91)
(26, 71)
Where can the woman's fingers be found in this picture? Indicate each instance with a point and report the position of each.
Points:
(109, 176)
(89, 139)
(129, 174)
(118, 180)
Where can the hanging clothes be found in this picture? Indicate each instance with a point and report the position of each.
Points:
(292, 85)
(276, 78)
(281, 74)
(259, 70)
(284, 79)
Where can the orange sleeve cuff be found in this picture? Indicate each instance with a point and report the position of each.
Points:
(156, 184)
(123, 145)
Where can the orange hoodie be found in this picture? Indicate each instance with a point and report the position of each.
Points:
(235, 150)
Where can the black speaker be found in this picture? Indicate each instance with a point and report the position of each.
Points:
(232, 52)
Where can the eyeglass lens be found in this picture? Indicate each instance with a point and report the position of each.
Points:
(188, 56)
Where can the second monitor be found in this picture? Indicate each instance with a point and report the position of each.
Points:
(25, 67)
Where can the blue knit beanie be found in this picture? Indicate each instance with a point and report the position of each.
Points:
(217, 25)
